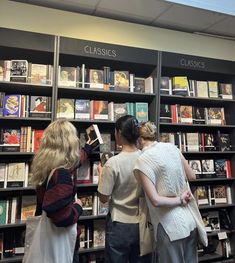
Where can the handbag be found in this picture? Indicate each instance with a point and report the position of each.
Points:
(47, 243)
(146, 232)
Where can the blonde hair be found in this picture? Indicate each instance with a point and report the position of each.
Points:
(59, 146)
(148, 131)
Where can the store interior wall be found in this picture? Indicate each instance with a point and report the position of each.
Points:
(56, 22)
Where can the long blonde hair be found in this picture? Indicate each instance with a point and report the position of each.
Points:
(59, 146)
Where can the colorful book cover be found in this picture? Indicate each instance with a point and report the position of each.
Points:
(40, 106)
(119, 110)
(12, 105)
(121, 80)
(11, 140)
(180, 86)
(139, 84)
(37, 138)
(19, 70)
(28, 206)
(226, 91)
(65, 108)
(141, 111)
(96, 79)
(100, 110)
(16, 174)
(82, 109)
(3, 205)
(67, 76)
(38, 74)
(99, 233)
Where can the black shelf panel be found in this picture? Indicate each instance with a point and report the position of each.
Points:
(15, 225)
(212, 180)
(208, 257)
(25, 88)
(17, 189)
(173, 127)
(87, 185)
(87, 93)
(29, 119)
(12, 259)
(185, 100)
(16, 153)
(218, 206)
(209, 154)
(90, 250)
(82, 218)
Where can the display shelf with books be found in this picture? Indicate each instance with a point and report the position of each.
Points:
(196, 113)
(97, 83)
(26, 98)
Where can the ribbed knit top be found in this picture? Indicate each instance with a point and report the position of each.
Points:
(162, 164)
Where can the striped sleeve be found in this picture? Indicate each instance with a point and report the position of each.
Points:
(58, 201)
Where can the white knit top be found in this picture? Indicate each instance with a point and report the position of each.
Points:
(162, 163)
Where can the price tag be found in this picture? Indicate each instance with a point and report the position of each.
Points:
(222, 235)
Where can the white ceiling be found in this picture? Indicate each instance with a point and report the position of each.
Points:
(157, 13)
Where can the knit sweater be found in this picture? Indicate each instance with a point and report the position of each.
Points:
(57, 199)
(161, 163)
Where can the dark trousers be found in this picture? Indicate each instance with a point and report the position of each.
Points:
(179, 251)
(122, 243)
(76, 256)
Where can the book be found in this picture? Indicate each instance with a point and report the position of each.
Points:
(220, 194)
(107, 143)
(139, 84)
(39, 74)
(211, 221)
(180, 86)
(224, 143)
(104, 157)
(37, 138)
(3, 171)
(121, 80)
(12, 104)
(215, 116)
(28, 206)
(196, 167)
(185, 114)
(82, 109)
(202, 195)
(221, 168)
(11, 140)
(3, 211)
(119, 110)
(65, 108)
(199, 115)
(226, 91)
(2, 69)
(202, 89)
(16, 174)
(93, 136)
(87, 204)
(208, 168)
(213, 89)
(99, 110)
(141, 111)
(40, 107)
(209, 142)
(19, 70)
(83, 173)
(96, 79)
(165, 113)
(165, 86)
(67, 76)
(99, 233)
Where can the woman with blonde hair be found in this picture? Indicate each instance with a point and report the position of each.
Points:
(58, 152)
(162, 171)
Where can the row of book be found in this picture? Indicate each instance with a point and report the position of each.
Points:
(98, 257)
(14, 175)
(12, 243)
(24, 71)
(219, 168)
(181, 85)
(104, 79)
(100, 109)
(213, 195)
(14, 105)
(92, 234)
(24, 139)
(17, 209)
(192, 114)
(198, 142)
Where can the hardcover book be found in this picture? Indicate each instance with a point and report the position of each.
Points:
(221, 168)
(99, 109)
(165, 86)
(202, 89)
(37, 138)
(99, 233)
(11, 140)
(141, 111)
(28, 206)
(19, 70)
(220, 194)
(12, 104)
(208, 168)
(139, 84)
(96, 79)
(213, 89)
(199, 115)
(87, 204)
(196, 167)
(202, 195)
(83, 173)
(215, 116)
(119, 110)
(2, 70)
(16, 174)
(224, 142)
(3, 212)
(107, 143)
(209, 142)
(165, 113)
(186, 114)
(39, 74)
(180, 86)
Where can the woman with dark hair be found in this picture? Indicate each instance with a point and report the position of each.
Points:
(118, 185)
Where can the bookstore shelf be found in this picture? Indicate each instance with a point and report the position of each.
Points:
(12, 259)
(215, 233)
(83, 218)
(210, 257)
(15, 225)
(16, 154)
(216, 207)
(212, 180)
(91, 250)
(29, 119)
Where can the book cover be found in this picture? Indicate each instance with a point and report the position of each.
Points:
(83, 173)
(19, 70)
(38, 74)
(100, 110)
(202, 195)
(40, 107)
(215, 116)
(180, 86)
(209, 142)
(139, 84)
(192, 142)
(121, 80)
(96, 79)
(141, 111)
(202, 89)
(2, 96)
(104, 157)
(221, 168)
(165, 113)
(37, 138)
(224, 142)
(103, 208)
(2, 70)
(211, 221)
(98, 233)
(119, 110)
(87, 204)
(208, 168)
(95, 172)
(11, 140)
(199, 115)
(67, 76)
(93, 136)
(226, 91)
(196, 167)
(186, 114)
(82, 109)
(28, 206)
(12, 104)
(3, 212)
(15, 174)
(19, 240)
(3, 169)
(165, 86)
(107, 143)
(220, 194)
(213, 89)
(65, 108)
